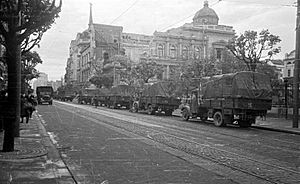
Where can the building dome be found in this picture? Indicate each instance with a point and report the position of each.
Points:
(206, 16)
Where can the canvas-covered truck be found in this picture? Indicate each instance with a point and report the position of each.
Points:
(159, 97)
(236, 98)
(44, 94)
(101, 97)
(121, 96)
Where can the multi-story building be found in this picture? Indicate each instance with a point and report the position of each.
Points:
(42, 80)
(135, 45)
(288, 71)
(55, 84)
(202, 38)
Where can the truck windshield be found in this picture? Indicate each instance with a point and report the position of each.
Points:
(44, 90)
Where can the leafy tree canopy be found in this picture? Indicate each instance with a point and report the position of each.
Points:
(145, 70)
(251, 46)
(37, 16)
(29, 61)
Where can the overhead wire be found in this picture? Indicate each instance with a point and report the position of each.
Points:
(218, 1)
(259, 3)
(124, 11)
(186, 17)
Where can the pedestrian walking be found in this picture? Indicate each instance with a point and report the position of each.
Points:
(25, 108)
(32, 104)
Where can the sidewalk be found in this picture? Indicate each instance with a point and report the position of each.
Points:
(35, 159)
(271, 123)
(277, 124)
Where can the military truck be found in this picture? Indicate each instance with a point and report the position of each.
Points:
(158, 98)
(121, 96)
(44, 94)
(236, 98)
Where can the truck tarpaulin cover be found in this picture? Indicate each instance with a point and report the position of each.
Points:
(166, 89)
(122, 90)
(238, 85)
(96, 91)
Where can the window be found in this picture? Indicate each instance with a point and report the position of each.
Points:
(160, 50)
(172, 51)
(197, 53)
(219, 54)
(289, 73)
(184, 52)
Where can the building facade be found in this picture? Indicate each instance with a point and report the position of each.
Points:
(203, 38)
(288, 71)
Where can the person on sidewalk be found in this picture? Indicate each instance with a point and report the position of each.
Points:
(25, 108)
(32, 104)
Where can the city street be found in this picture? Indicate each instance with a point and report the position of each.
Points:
(101, 145)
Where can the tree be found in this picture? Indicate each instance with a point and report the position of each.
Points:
(28, 71)
(271, 72)
(22, 24)
(250, 47)
(145, 70)
(230, 64)
(115, 67)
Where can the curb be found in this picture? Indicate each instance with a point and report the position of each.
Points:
(276, 129)
(53, 153)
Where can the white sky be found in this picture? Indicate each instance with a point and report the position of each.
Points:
(146, 16)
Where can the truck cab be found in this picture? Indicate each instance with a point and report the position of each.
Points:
(44, 94)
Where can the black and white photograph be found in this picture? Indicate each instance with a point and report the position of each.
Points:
(149, 91)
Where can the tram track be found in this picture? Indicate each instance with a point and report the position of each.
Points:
(294, 146)
(265, 171)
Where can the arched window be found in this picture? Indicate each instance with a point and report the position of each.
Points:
(172, 51)
(185, 52)
(160, 50)
(197, 53)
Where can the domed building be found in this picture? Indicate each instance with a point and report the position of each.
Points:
(206, 15)
(200, 39)
(203, 38)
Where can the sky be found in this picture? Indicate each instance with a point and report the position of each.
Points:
(148, 16)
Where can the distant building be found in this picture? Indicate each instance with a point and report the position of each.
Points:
(203, 38)
(42, 80)
(55, 84)
(288, 71)
(278, 64)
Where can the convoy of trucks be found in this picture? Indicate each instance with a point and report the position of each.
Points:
(235, 98)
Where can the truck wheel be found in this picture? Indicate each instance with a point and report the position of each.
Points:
(185, 115)
(169, 112)
(135, 107)
(150, 110)
(218, 119)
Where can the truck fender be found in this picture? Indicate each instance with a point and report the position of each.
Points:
(187, 108)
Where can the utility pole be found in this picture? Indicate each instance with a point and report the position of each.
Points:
(296, 70)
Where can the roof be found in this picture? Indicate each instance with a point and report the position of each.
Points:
(206, 14)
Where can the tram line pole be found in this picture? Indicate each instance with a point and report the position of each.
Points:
(296, 71)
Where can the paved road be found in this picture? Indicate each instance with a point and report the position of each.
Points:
(115, 146)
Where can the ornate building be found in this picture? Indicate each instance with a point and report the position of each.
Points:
(289, 65)
(203, 38)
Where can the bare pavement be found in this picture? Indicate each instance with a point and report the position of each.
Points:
(36, 159)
